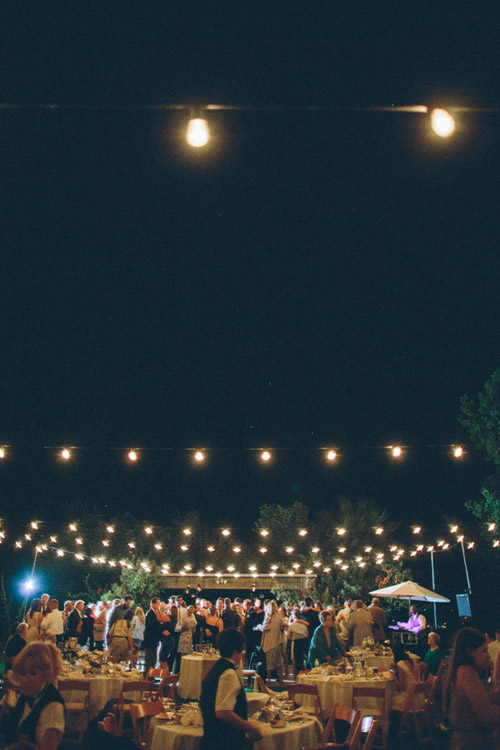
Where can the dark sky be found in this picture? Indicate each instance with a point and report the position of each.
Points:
(311, 278)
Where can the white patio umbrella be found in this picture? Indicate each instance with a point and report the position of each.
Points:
(411, 591)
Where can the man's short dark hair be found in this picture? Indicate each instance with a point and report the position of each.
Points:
(155, 599)
(128, 598)
(230, 640)
(308, 601)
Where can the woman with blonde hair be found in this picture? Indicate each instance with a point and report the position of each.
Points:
(38, 714)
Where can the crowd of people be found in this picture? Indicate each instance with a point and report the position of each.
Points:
(269, 636)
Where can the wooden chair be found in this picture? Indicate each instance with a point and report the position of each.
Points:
(166, 688)
(415, 714)
(422, 668)
(141, 713)
(157, 673)
(304, 689)
(378, 712)
(138, 691)
(342, 714)
(76, 702)
(373, 732)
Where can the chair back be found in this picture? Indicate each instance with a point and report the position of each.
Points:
(304, 689)
(341, 713)
(157, 673)
(140, 691)
(140, 713)
(76, 694)
(166, 688)
(415, 715)
(374, 729)
(422, 668)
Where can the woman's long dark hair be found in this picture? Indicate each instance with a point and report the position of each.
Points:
(466, 640)
(36, 606)
(400, 654)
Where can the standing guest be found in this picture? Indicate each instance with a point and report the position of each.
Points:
(167, 642)
(100, 626)
(52, 625)
(311, 615)
(45, 604)
(297, 633)
(250, 619)
(120, 637)
(360, 624)
(152, 635)
(219, 605)
(87, 632)
(15, 644)
(213, 625)
(434, 655)
(324, 646)
(138, 626)
(118, 611)
(185, 645)
(473, 711)
(74, 621)
(223, 702)
(33, 619)
(38, 715)
(342, 619)
(67, 609)
(230, 618)
(272, 640)
(379, 618)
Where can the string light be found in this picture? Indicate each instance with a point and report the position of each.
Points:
(264, 532)
(199, 456)
(198, 133)
(303, 532)
(458, 451)
(442, 123)
(225, 532)
(110, 529)
(331, 455)
(132, 455)
(65, 454)
(265, 456)
(187, 532)
(396, 451)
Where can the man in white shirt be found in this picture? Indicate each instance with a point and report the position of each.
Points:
(53, 623)
(223, 702)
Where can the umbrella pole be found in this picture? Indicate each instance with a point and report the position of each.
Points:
(433, 586)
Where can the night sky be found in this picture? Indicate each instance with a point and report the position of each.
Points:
(309, 279)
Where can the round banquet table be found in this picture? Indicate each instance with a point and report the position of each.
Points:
(338, 689)
(294, 736)
(194, 669)
(103, 688)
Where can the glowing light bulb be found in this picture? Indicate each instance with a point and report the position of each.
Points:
(66, 454)
(199, 456)
(331, 455)
(396, 451)
(289, 550)
(110, 529)
(315, 550)
(303, 532)
(198, 133)
(379, 530)
(148, 530)
(417, 529)
(187, 532)
(458, 451)
(225, 532)
(132, 455)
(263, 550)
(211, 549)
(341, 532)
(236, 549)
(491, 526)
(442, 123)
(264, 532)
(2, 452)
(265, 456)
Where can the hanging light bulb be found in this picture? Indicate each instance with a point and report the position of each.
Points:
(442, 123)
(198, 133)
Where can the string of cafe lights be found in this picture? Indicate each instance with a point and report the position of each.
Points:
(265, 455)
(198, 134)
(339, 558)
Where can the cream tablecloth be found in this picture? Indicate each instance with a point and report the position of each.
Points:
(338, 689)
(102, 688)
(194, 669)
(293, 736)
